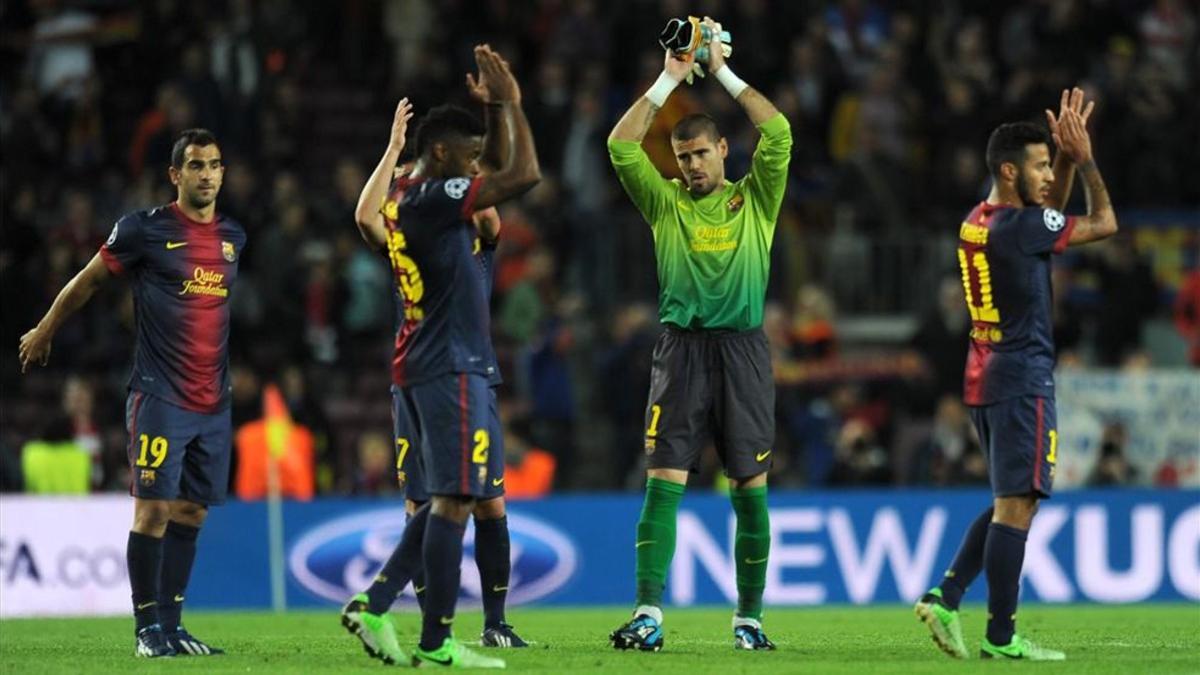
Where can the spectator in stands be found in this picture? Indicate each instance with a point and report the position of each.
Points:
(859, 460)
(1187, 314)
(1112, 468)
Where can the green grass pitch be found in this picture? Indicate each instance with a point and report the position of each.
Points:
(1133, 639)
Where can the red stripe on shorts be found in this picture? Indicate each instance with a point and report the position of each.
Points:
(1037, 462)
(462, 413)
(137, 405)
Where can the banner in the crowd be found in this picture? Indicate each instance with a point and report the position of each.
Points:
(1152, 418)
(66, 556)
(62, 556)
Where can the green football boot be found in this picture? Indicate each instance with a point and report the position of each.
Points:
(1019, 648)
(943, 623)
(375, 631)
(453, 654)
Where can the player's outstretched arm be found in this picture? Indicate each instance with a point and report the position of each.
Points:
(757, 106)
(1064, 167)
(35, 345)
(367, 214)
(1072, 138)
(519, 171)
(497, 143)
(636, 121)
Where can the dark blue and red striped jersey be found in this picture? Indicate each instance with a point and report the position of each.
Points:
(1004, 255)
(485, 253)
(443, 323)
(182, 272)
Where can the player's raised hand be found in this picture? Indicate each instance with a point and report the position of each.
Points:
(487, 223)
(716, 56)
(35, 348)
(1072, 100)
(400, 124)
(496, 76)
(1072, 136)
(677, 67)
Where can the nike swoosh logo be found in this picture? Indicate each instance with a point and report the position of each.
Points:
(497, 481)
(144, 605)
(755, 562)
(497, 589)
(442, 662)
(179, 598)
(446, 620)
(643, 543)
(172, 245)
(762, 455)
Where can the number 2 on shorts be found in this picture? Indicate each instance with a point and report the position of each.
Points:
(480, 455)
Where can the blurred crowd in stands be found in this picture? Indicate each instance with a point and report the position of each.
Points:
(890, 102)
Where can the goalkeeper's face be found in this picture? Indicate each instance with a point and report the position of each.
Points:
(702, 162)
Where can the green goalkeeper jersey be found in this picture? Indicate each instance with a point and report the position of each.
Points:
(713, 252)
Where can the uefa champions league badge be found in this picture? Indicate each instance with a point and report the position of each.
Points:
(1054, 220)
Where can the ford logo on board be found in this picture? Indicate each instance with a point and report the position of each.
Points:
(341, 557)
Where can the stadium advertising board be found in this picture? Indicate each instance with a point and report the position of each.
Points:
(63, 556)
(827, 547)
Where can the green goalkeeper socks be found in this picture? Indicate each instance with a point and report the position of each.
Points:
(656, 539)
(751, 547)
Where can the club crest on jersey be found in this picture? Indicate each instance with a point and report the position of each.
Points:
(147, 477)
(1054, 220)
(227, 251)
(457, 187)
(734, 205)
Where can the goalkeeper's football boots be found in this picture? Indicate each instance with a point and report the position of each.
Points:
(943, 623)
(152, 643)
(1019, 648)
(501, 635)
(375, 631)
(748, 635)
(642, 632)
(186, 644)
(454, 654)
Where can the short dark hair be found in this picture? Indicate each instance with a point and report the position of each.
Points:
(443, 122)
(200, 137)
(1007, 143)
(694, 126)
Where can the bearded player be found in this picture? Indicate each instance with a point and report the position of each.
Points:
(1004, 252)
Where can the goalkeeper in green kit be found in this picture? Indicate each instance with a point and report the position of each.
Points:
(712, 367)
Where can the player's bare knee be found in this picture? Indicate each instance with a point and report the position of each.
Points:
(673, 475)
(453, 507)
(188, 513)
(411, 506)
(490, 509)
(150, 516)
(757, 480)
(1016, 511)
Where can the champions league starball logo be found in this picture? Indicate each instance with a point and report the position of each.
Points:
(340, 557)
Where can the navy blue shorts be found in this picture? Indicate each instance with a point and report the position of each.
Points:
(448, 438)
(1020, 438)
(176, 453)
